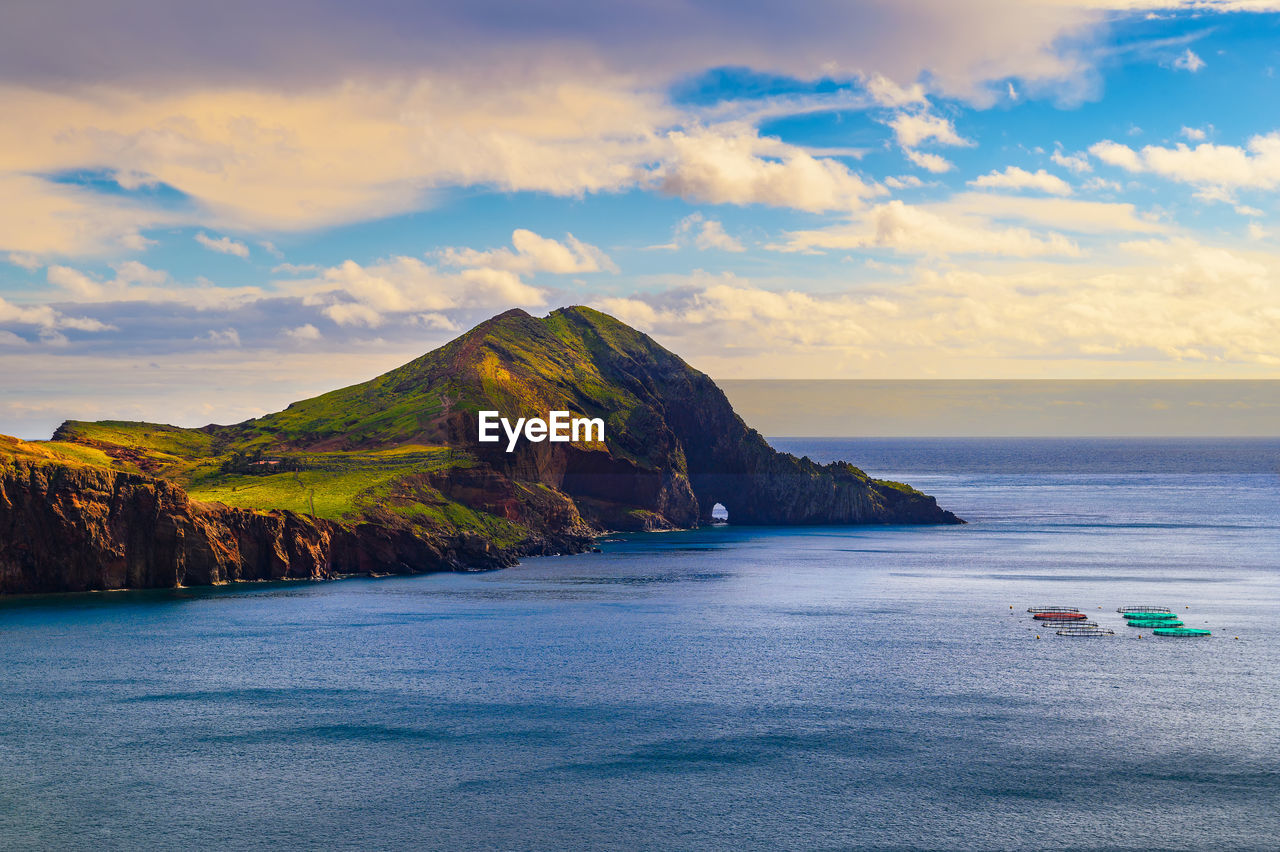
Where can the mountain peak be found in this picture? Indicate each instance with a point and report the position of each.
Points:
(399, 457)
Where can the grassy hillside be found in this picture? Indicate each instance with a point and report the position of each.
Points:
(515, 363)
(382, 450)
(333, 485)
(72, 455)
(367, 450)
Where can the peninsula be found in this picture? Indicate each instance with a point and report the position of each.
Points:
(390, 476)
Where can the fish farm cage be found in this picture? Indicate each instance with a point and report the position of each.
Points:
(1060, 616)
(1070, 621)
(1181, 631)
(1085, 631)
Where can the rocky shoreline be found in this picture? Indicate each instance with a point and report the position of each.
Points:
(110, 505)
(78, 529)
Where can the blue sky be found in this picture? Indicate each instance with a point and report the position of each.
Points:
(215, 213)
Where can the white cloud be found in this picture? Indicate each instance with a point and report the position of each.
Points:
(225, 337)
(223, 245)
(977, 223)
(437, 321)
(403, 289)
(713, 236)
(42, 217)
(1194, 134)
(650, 40)
(1175, 305)
(304, 333)
(915, 230)
(929, 162)
(912, 129)
(1099, 184)
(84, 324)
(53, 338)
(1062, 214)
(705, 234)
(534, 253)
(1077, 162)
(282, 142)
(887, 93)
(285, 160)
(26, 261)
(1188, 61)
(355, 295)
(903, 182)
(353, 313)
(732, 164)
(1116, 154)
(136, 282)
(1014, 177)
(41, 316)
(46, 318)
(295, 268)
(1216, 170)
(252, 158)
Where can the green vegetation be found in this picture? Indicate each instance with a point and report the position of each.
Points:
(369, 448)
(377, 451)
(15, 448)
(335, 494)
(518, 364)
(370, 451)
(896, 486)
(69, 455)
(340, 484)
(79, 453)
(450, 516)
(171, 441)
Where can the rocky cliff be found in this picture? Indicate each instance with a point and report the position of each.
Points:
(67, 527)
(709, 455)
(389, 475)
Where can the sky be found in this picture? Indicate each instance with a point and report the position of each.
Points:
(213, 209)
(1018, 408)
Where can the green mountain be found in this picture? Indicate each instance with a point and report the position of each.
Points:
(389, 475)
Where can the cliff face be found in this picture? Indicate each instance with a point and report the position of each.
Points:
(389, 476)
(676, 448)
(80, 528)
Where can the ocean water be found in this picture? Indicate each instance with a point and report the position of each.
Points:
(726, 688)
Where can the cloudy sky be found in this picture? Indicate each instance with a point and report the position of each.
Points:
(210, 210)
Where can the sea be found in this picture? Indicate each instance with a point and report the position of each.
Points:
(725, 688)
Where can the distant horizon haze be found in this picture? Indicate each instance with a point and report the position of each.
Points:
(959, 408)
(868, 408)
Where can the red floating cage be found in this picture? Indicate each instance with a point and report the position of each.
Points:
(1060, 616)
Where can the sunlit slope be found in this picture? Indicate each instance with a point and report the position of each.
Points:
(402, 448)
(514, 363)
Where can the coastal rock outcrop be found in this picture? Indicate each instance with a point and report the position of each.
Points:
(70, 528)
(676, 447)
(389, 476)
